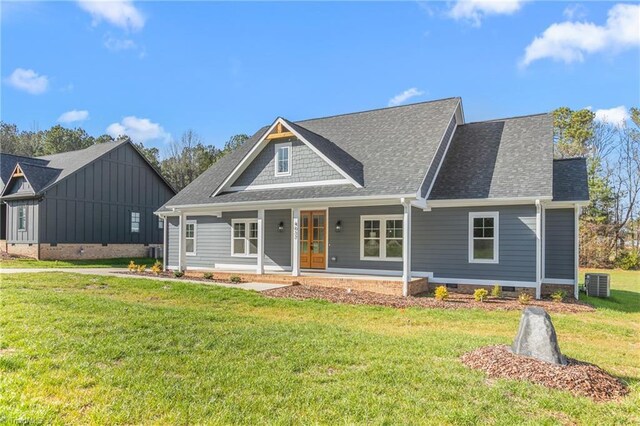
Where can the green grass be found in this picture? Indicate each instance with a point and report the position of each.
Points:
(84, 263)
(83, 349)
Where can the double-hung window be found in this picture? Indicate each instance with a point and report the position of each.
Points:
(22, 218)
(244, 237)
(160, 223)
(483, 237)
(283, 159)
(381, 237)
(190, 238)
(135, 222)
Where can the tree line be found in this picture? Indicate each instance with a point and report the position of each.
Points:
(184, 159)
(609, 226)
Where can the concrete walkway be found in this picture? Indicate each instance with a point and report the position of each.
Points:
(120, 272)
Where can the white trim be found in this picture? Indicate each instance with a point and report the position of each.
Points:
(131, 222)
(247, 229)
(351, 201)
(576, 250)
(385, 272)
(295, 249)
(181, 244)
(230, 267)
(566, 204)
(260, 261)
(195, 237)
(496, 236)
(24, 216)
(165, 248)
(382, 238)
(543, 261)
(557, 281)
(538, 249)
(444, 155)
(327, 229)
(441, 280)
(406, 247)
(260, 145)
(474, 202)
(277, 147)
(328, 182)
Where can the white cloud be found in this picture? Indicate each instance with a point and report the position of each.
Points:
(570, 41)
(73, 115)
(117, 44)
(617, 116)
(405, 96)
(28, 81)
(475, 10)
(121, 13)
(138, 129)
(575, 11)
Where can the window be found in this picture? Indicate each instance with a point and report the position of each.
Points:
(160, 223)
(381, 237)
(22, 218)
(244, 237)
(283, 159)
(483, 237)
(135, 221)
(190, 238)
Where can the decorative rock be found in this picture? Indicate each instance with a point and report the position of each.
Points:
(537, 338)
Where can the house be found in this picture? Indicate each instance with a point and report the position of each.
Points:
(410, 191)
(97, 202)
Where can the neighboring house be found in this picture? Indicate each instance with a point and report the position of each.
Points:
(92, 203)
(411, 191)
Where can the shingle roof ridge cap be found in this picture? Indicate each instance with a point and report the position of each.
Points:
(115, 143)
(23, 156)
(41, 166)
(375, 109)
(515, 117)
(570, 159)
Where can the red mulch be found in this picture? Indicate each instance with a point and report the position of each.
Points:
(455, 300)
(579, 378)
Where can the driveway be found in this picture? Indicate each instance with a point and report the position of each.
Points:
(119, 272)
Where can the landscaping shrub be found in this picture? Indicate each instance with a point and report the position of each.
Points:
(178, 274)
(208, 276)
(441, 293)
(480, 294)
(132, 266)
(524, 298)
(558, 295)
(235, 279)
(157, 267)
(141, 269)
(496, 291)
(628, 260)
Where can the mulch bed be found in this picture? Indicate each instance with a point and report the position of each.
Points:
(455, 300)
(579, 378)
(165, 274)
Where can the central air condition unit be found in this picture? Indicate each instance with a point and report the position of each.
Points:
(597, 285)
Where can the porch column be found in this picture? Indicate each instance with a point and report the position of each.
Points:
(406, 247)
(260, 263)
(165, 243)
(538, 249)
(576, 250)
(182, 249)
(295, 250)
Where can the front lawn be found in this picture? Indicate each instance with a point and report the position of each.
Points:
(24, 262)
(84, 349)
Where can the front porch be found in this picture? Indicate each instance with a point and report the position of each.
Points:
(360, 282)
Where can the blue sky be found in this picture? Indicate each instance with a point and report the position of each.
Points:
(155, 69)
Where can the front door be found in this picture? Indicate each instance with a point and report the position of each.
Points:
(313, 239)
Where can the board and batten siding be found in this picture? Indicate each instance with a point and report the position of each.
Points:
(29, 235)
(213, 240)
(306, 166)
(559, 243)
(94, 204)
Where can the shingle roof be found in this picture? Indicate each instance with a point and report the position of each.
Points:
(498, 159)
(570, 181)
(8, 164)
(394, 146)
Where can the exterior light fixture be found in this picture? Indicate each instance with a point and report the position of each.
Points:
(339, 226)
(281, 227)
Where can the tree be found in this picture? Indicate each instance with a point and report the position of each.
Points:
(573, 130)
(60, 139)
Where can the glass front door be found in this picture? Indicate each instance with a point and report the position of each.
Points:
(313, 239)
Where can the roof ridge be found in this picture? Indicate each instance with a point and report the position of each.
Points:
(514, 117)
(23, 156)
(376, 109)
(570, 159)
(93, 145)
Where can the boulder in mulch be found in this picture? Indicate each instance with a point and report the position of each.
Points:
(579, 378)
(537, 338)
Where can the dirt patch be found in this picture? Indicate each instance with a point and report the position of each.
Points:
(579, 378)
(6, 256)
(455, 300)
(165, 274)
(7, 351)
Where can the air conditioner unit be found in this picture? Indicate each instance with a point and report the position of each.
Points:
(597, 285)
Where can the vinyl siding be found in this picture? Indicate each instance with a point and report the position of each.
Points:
(559, 243)
(30, 235)
(306, 166)
(213, 240)
(94, 204)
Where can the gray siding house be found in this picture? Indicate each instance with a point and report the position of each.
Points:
(411, 191)
(98, 202)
